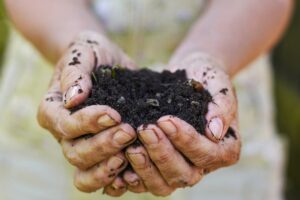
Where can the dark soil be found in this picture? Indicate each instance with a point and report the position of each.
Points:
(143, 96)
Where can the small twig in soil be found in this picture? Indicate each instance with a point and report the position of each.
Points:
(94, 77)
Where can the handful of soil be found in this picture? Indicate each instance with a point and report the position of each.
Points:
(143, 96)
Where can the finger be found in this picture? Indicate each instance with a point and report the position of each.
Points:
(220, 114)
(117, 188)
(87, 151)
(201, 151)
(146, 170)
(229, 148)
(86, 54)
(92, 119)
(100, 175)
(134, 182)
(171, 164)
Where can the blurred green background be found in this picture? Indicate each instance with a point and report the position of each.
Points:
(4, 31)
(286, 62)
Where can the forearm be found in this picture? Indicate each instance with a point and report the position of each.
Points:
(51, 25)
(235, 32)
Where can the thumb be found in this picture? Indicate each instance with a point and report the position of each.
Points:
(77, 65)
(79, 62)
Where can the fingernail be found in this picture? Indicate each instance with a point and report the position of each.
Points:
(134, 183)
(148, 136)
(71, 92)
(106, 120)
(137, 158)
(114, 186)
(168, 127)
(216, 127)
(121, 137)
(115, 162)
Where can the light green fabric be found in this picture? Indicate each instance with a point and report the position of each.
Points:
(3, 32)
(148, 30)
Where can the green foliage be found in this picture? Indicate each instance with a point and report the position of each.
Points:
(113, 72)
(3, 31)
(94, 77)
(288, 120)
(287, 90)
(286, 54)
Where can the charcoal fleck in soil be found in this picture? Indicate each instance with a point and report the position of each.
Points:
(143, 96)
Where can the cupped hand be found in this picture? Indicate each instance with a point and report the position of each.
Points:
(91, 138)
(174, 154)
(223, 108)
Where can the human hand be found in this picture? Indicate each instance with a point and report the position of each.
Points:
(174, 153)
(91, 138)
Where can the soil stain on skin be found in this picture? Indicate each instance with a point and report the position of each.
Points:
(143, 96)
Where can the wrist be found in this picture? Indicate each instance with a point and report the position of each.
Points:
(85, 36)
(98, 41)
(55, 43)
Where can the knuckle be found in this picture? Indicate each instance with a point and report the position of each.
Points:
(200, 161)
(87, 123)
(177, 182)
(68, 75)
(64, 124)
(80, 185)
(205, 158)
(162, 158)
(102, 147)
(62, 127)
(74, 159)
(189, 141)
(83, 188)
(100, 178)
(232, 158)
(183, 182)
(113, 148)
(103, 109)
(78, 161)
(127, 128)
(228, 159)
(194, 178)
(88, 182)
(43, 117)
(97, 145)
(189, 138)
